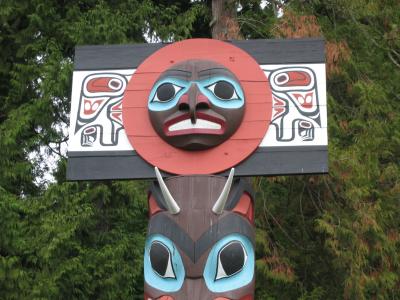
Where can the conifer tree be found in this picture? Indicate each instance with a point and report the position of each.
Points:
(330, 236)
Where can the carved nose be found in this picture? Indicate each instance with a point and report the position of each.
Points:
(192, 101)
(196, 290)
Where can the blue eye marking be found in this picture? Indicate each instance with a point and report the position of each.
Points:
(208, 88)
(164, 269)
(230, 264)
(165, 93)
(220, 90)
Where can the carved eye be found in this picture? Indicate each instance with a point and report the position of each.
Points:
(224, 90)
(282, 79)
(166, 91)
(231, 260)
(160, 258)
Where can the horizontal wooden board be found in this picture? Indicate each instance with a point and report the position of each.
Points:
(267, 161)
(275, 51)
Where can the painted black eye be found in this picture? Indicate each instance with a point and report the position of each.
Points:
(224, 90)
(166, 92)
(160, 258)
(231, 260)
(283, 78)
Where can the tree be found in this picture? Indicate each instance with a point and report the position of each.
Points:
(224, 23)
(67, 240)
(318, 237)
(337, 236)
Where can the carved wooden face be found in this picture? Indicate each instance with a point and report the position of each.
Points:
(198, 254)
(196, 104)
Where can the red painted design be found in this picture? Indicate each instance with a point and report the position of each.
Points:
(305, 100)
(103, 84)
(147, 297)
(293, 78)
(117, 107)
(91, 106)
(245, 208)
(279, 107)
(243, 142)
(200, 99)
(153, 207)
(165, 298)
(90, 130)
(117, 116)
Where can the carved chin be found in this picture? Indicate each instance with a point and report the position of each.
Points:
(195, 141)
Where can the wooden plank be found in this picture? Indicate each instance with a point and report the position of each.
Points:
(266, 161)
(278, 51)
(285, 51)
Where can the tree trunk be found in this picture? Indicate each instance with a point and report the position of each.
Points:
(224, 23)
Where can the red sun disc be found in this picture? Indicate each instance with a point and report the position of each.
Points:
(154, 150)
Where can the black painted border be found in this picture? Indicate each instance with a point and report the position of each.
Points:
(274, 51)
(265, 161)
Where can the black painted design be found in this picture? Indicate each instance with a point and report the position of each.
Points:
(160, 259)
(99, 116)
(296, 109)
(241, 186)
(232, 223)
(223, 90)
(156, 192)
(231, 259)
(165, 92)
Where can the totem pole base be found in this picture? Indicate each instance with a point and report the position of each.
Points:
(200, 242)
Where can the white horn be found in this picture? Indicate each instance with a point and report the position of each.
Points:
(219, 205)
(172, 206)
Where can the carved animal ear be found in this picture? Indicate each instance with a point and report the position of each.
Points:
(245, 208)
(153, 205)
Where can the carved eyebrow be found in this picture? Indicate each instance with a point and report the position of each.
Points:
(177, 73)
(162, 224)
(232, 223)
(211, 69)
(214, 71)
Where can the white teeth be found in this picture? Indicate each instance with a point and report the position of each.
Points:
(200, 124)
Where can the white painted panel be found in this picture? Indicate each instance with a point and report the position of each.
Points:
(299, 111)
(113, 137)
(299, 115)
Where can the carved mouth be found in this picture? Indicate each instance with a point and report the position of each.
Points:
(204, 124)
(200, 124)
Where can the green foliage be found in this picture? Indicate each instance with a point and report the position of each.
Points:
(74, 241)
(67, 240)
(332, 236)
(338, 235)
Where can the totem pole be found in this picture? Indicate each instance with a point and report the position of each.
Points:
(198, 116)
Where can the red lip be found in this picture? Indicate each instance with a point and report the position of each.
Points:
(200, 116)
